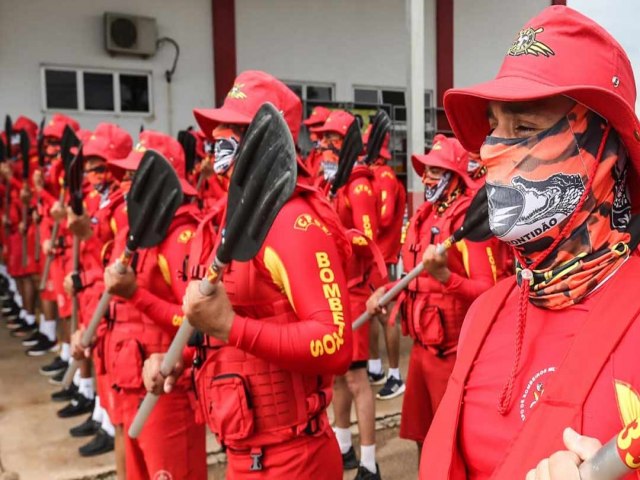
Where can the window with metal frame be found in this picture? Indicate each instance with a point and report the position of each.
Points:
(96, 90)
(312, 93)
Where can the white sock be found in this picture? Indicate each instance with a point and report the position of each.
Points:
(343, 435)
(375, 365)
(76, 378)
(65, 352)
(96, 416)
(106, 425)
(3, 269)
(368, 457)
(30, 318)
(395, 373)
(86, 388)
(17, 298)
(48, 328)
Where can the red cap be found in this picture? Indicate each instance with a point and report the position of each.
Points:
(558, 52)
(109, 142)
(251, 89)
(318, 116)
(338, 122)
(384, 149)
(55, 126)
(166, 146)
(445, 153)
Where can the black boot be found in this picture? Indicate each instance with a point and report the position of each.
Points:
(31, 340)
(79, 406)
(85, 429)
(365, 474)
(101, 443)
(349, 460)
(65, 394)
(56, 366)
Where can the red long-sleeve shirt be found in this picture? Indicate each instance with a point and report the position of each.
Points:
(300, 263)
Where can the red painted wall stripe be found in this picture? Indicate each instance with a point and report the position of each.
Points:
(444, 56)
(223, 13)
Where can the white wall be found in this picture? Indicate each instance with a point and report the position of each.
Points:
(621, 22)
(483, 31)
(345, 42)
(70, 32)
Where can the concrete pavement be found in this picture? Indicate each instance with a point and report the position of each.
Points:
(35, 443)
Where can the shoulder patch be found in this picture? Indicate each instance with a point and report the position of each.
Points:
(306, 220)
(362, 188)
(185, 236)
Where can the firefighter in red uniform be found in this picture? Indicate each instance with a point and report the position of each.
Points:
(20, 200)
(56, 304)
(392, 200)
(357, 207)
(279, 328)
(433, 306)
(557, 348)
(143, 319)
(317, 118)
(107, 143)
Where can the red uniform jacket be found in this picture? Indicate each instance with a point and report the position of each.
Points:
(272, 381)
(432, 312)
(392, 201)
(593, 388)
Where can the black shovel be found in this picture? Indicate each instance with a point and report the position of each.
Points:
(74, 182)
(69, 140)
(351, 147)
(380, 127)
(474, 228)
(25, 146)
(263, 179)
(152, 202)
(41, 166)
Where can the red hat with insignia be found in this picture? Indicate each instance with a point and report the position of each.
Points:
(109, 142)
(445, 153)
(250, 90)
(30, 127)
(338, 122)
(318, 116)
(558, 52)
(55, 126)
(166, 146)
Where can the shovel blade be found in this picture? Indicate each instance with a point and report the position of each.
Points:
(263, 179)
(380, 127)
(152, 202)
(351, 147)
(76, 175)
(68, 141)
(476, 222)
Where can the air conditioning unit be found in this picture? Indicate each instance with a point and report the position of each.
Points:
(129, 34)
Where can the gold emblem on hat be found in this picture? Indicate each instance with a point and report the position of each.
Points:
(236, 92)
(526, 44)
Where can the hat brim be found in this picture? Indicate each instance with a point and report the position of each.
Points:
(131, 162)
(419, 163)
(466, 110)
(209, 118)
(310, 122)
(323, 129)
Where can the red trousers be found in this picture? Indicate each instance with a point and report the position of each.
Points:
(305, 457)
(425, 386)
(360, 336)
(171, 445)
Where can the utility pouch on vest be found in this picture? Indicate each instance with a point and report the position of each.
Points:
(228, 403)
(428, 322)
(126, 364)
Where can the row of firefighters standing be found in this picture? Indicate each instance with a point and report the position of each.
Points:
(277, 347)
